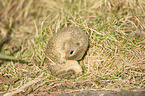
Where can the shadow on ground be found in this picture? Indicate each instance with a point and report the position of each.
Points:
(138, 92)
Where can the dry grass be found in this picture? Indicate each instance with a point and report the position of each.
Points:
(116, 56)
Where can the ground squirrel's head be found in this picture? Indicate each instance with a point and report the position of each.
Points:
(76, 44)
(75, 49)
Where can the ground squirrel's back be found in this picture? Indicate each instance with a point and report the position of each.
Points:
(69, 44)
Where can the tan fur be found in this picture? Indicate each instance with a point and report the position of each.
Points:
(64, 49)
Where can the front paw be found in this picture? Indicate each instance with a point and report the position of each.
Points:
(62, 61)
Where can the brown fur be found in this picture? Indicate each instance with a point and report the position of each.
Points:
(64, 49)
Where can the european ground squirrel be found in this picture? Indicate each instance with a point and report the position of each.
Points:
(63, 51)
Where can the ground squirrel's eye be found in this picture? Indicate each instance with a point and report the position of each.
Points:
(77, 43)
(71, 52)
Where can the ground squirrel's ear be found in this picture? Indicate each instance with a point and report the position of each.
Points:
(78, 44)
